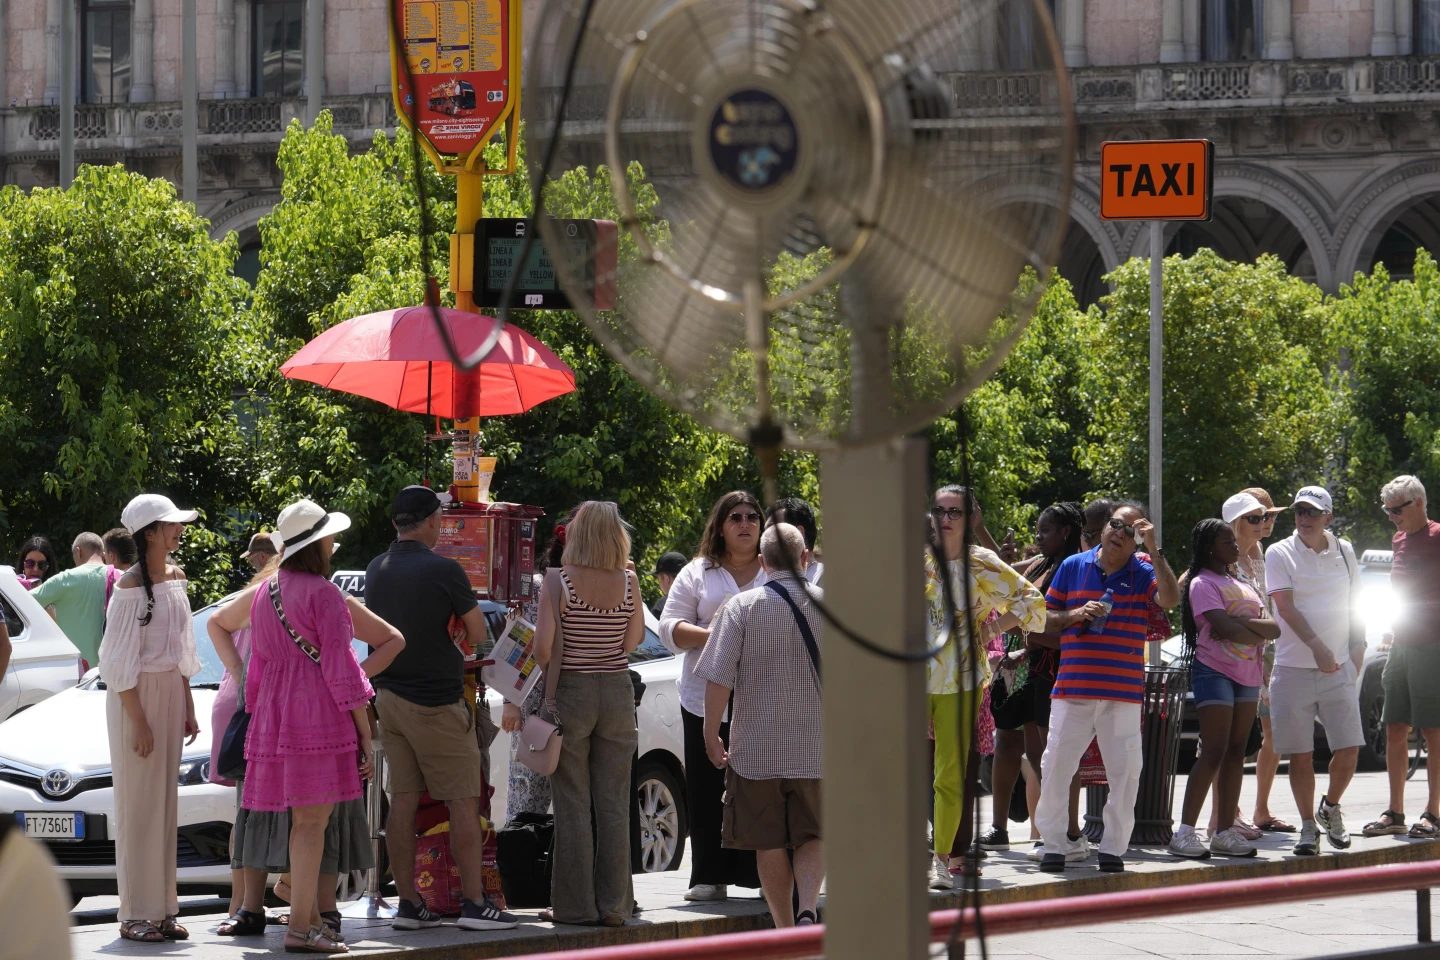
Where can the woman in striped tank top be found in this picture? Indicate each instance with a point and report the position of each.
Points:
(591, 606)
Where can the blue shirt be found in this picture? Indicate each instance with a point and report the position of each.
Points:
(1110, 664)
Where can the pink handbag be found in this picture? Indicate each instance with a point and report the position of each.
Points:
(540, 739)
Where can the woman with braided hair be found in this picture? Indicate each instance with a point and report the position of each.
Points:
(1020, 692)
(1226, 626)
(147, 656)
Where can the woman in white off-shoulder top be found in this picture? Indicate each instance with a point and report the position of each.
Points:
(147, 656)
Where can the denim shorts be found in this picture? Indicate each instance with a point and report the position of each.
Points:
(1213, 689)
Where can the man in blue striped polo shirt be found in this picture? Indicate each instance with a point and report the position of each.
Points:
(1100, 599)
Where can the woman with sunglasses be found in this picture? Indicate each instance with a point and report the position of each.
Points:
(957, 674)
(1226, 626)
(35, 563)
(727, 562)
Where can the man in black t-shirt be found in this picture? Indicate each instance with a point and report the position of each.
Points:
(425, 725)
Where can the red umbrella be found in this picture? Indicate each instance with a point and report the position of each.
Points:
(398, 358)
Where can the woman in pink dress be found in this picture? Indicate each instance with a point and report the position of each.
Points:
(309, 741)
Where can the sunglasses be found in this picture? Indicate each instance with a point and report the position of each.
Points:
(1118, 524)
(1396, 510)
(947, 513)
(1256, 519)
(1304, 510)
(744, 516)
(37, 564)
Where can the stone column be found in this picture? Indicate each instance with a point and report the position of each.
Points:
(142, 52)
(1382, 34)
(314, 58)
(224, 49)
(1278, 42)
(1404, 28)
(1194, 10)
(1071, 26)
(1172, 45)
(52, 51)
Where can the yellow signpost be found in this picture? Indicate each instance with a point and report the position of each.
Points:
(455, 75)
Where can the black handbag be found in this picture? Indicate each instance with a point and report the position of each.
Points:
(230, 763)
(524, 848)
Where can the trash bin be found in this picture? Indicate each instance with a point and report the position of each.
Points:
(1160, 716)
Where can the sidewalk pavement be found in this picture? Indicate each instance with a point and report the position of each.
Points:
(1297, 929)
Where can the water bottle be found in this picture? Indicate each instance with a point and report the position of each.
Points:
(1098, 624)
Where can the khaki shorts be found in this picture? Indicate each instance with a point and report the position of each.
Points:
(769, 814)
(1412, 687)
(430, 748)
(1301, 695)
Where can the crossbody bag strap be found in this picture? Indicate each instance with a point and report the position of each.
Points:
(809, 637)
(306, 647)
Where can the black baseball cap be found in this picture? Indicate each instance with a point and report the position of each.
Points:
(671, 563)
(415, 503)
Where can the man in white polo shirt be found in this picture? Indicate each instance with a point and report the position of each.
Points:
(1311, 577)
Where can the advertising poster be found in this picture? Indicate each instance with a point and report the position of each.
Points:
(461, 79)
(514, 672)
(465, 538)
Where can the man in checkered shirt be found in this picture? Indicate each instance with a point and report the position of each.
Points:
(758, 650)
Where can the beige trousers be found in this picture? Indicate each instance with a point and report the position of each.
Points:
(145, 797)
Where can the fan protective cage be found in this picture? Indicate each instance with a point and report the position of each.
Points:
(846, 198)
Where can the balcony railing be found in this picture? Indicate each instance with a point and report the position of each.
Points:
(36, 129)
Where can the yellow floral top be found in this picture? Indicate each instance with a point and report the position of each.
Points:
(995, 588)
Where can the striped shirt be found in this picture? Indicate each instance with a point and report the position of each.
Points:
(594, 639)
(1110, 664)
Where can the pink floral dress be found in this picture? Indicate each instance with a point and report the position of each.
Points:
(301, 747)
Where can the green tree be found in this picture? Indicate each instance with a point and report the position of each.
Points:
(1247, 394)
(1385, 331)
(118, 318)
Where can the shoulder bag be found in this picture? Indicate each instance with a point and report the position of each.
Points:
(230, 762)
(540, 739)
(805, 632)
(1356, 633)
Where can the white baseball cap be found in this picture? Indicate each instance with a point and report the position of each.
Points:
(1239, 505)
(1317, 497)
(151, 508)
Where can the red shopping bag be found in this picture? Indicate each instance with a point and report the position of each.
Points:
(437, 875)
(1092, 766)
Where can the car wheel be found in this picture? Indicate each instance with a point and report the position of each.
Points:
(660, 803)
(1372, 707)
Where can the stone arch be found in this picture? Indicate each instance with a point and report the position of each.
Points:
(1089, 247)
(1377, 206)
(243, 217)
(1294, 203)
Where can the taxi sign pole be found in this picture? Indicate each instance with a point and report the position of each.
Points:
(1157, 369)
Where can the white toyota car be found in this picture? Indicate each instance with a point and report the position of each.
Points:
(43, 661)
(55, 772)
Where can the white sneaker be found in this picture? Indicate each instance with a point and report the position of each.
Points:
(703, 892)
(1187, 843)
(1330, 820)
(1076, 851)
(1229, 843)
(940, 878)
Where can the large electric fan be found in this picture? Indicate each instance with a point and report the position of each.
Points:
(847, 196)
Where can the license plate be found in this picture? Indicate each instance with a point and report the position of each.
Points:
(53, 826)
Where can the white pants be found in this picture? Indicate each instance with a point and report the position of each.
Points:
(1072, 725)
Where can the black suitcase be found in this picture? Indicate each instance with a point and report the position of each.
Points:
(525, 848)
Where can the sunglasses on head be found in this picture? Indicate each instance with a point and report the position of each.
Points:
(1396, 510)
(744, 516)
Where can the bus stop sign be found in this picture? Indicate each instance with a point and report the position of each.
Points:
(1156, 179)
(463, 79)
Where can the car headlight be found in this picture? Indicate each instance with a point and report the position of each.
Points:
(194, 771)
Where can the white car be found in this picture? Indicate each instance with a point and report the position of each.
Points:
(43, 661)
(55, 772)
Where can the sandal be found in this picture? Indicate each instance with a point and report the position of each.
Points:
(170, 929)
(1275, 825)
(1389, 823)
(1426, 828)
(144, 931)
(316, 940)
(330, 920)
(242, 923)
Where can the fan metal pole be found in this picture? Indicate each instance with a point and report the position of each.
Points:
(875, 801)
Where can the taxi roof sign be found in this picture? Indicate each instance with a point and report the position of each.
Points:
(1156, 179)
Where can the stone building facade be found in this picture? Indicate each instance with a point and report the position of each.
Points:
(1325, 113)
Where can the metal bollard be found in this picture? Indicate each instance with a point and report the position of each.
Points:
(371, 905)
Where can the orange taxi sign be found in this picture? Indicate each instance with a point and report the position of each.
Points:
(1156, 179)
